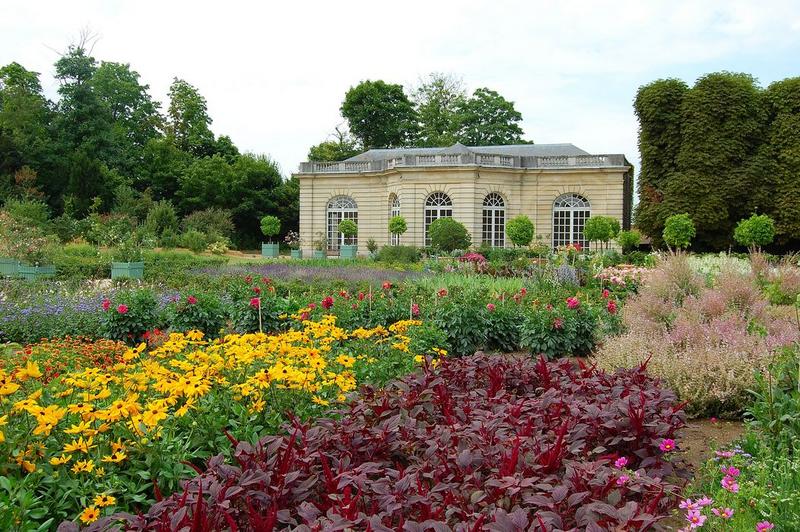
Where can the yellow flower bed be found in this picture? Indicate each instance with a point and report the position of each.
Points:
(91, 423)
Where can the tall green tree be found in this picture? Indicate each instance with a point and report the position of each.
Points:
(380, 114)
(339, 147)
(658, 107)
(488, 119)
(188, 122)
(134, 115)
(438, 101)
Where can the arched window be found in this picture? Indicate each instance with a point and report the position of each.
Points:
(341, 208)
(570, 212)
(494, 220)
(394, 210)
(438, 205)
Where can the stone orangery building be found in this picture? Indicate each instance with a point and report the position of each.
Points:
(557, 185)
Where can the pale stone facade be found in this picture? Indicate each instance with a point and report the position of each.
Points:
(557, 185)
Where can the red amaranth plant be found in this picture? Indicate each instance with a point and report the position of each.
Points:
(480, 443)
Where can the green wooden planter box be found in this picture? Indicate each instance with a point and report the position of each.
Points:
(297, 253)
(320, 254)
(348, 252)
(127, 270)
(33, 273)
(270, 250)
(9, 267)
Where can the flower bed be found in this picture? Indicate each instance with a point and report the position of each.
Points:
(478, 443)
(115, 426)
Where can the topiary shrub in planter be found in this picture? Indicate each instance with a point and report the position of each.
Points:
(349, 230)
(128, 263)
(270, 226)
(320, 244)
(292, 240)
(447, 235)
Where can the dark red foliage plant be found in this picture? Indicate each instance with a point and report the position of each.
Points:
(480, 443)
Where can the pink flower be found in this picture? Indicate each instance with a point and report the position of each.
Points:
(327, 302)
(387, 285)
(689, 505)
(523, 291)
(763, 526)
(304, 316)
(257, 290)
(725, 513)
(558, 324)
(667, 445)
(695, 518)
(106, 304)
(490, 307)
(361, 296)
(442, 292)
(730, 471)
(730, 484)
(705, 501)
(191, 300)
(255, 302)
(354, 306)
(606, 293)
(611, 306)
(621, 462)
(714, 420)
(724, 454)
(622, 480)
(122, 309)
(414, 309)
(312, 306)
(573, 303)
(248, 279)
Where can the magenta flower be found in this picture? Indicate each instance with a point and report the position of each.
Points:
(106, 304)
(667, 445)
(490, 307)
(730, 484)
(606, 293)
(191, 300)
(621, 462)
(730, 471)
(255, 302)
(724, 454)
(705, 501)
(122, 309)
(622, 480)
(724, 513)
(689, 505)
(763, 526)
(573, 303)
(611, 306)
(695, 518)
(414, 309)
(558, 324)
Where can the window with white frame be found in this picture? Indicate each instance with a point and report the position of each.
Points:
(341, 208)
(438, 205)
(394, 210)
(570, 212)
(494, 220)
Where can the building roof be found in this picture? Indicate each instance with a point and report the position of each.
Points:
(519, 150)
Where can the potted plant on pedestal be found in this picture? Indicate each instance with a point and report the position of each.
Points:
(320, 244)
(270, 226)
(348, 229)
(127, 263)
(292, 239)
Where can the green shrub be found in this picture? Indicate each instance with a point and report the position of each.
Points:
(29, 212)
(447, 235)
(520, 230)
(629, 240)
(557, 330)
(130, 315)
(170, 239)
(211, 221)
(200, 311)
(679, 231)
(399, 254)
(348, 228)
(65, 227)
(397, 225)
(270, 226)
(161, 218)
(82, 261)
(503, 327)
(194, 240)
(463, 318)
(755, 232)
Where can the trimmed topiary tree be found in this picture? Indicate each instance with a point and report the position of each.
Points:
(520, 230)
(397, 226)
(754, 232)
(270, 226)
(678, 231)
(349, 229)
(629, 240)
(447, 235)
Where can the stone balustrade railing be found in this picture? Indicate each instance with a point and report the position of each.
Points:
(464, 159)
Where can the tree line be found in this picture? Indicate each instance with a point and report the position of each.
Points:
(105, 142)
(719, 151)
(439, 112)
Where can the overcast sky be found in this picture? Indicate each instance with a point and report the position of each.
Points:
(275, 73)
